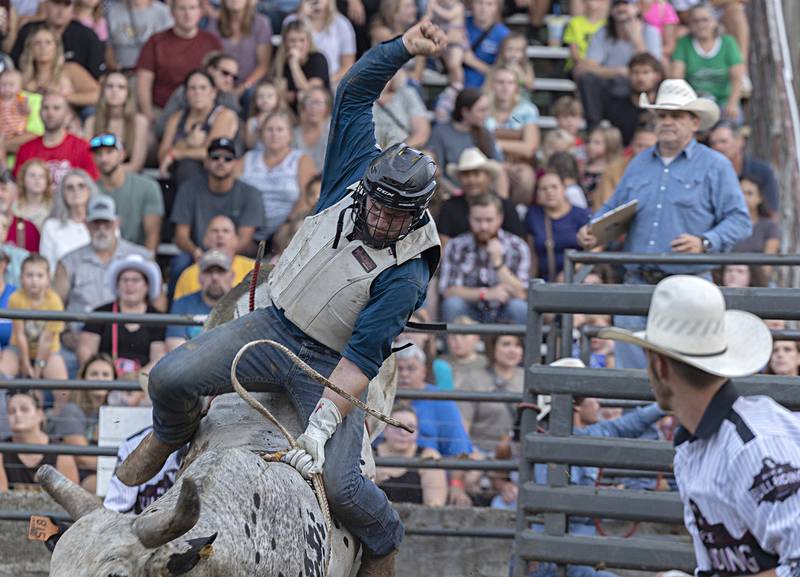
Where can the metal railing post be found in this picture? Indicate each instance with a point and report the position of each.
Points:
(566, 319)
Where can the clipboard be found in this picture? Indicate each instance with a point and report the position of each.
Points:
(613, 223)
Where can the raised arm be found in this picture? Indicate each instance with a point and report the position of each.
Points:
(351, 144)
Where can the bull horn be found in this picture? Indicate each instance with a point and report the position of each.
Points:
(76, 500)
(162, 526)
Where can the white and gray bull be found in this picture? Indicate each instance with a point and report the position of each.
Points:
(230, 514)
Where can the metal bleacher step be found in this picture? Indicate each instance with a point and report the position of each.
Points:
(433, 78)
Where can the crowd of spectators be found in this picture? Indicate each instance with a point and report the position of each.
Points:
(132, 127)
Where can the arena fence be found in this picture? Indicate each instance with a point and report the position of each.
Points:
(559, 448)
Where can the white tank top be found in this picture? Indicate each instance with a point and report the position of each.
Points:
(278, 186)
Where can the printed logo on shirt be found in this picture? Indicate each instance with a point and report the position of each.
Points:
(730, 556)
(775, 483)
(364, 259)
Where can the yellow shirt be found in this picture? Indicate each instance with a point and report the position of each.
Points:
(579, 31)
(189, 281)
(34, 328)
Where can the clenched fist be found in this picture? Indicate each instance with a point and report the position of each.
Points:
(425, 39)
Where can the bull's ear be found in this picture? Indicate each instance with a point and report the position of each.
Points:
(199, 548)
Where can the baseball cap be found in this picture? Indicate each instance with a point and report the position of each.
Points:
(101, 207)
(104, 140)
(224, 144)
(6, 176)
(215, 258)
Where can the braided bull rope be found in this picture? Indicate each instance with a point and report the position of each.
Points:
(316, 479)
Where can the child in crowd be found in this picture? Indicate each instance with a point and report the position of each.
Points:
(35, 198)
(557, 140)
(512, 55)
(266, 100)
(449, 16)
(662, 16)
(26, 417)
(13, 104)
(90, 14)
(581, 28)
(565, 165)
(35, 344)
(602, 149)
(568, 113)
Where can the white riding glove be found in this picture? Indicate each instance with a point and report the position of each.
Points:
(309, 456)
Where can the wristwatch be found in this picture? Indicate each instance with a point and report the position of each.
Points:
(41, 363)
(706, 244)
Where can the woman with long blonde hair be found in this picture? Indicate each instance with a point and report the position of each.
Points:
(44, 69)
(298, 64)
(35, 186)
(333, 35)
(246, 37)
(116, 113)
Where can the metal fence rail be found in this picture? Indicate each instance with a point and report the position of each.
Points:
(559, 448)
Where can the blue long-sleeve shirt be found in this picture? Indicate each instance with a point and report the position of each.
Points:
(697, 193)
(398, 291)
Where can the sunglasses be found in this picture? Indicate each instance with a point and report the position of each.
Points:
(103, 140)
(222, 157)
(229, 74)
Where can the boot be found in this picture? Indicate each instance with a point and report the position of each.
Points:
(145, 461)
(382, 566)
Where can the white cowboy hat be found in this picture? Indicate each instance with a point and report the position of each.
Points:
(676, 94)
(473, 159)
(544, 401)
(148, 268)
(688, 322)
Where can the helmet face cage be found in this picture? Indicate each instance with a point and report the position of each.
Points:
(378, 225)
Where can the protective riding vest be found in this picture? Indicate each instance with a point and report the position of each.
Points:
(322, 280)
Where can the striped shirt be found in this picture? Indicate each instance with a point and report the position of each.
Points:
(739, 480)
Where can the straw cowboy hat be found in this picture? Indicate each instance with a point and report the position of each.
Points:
(676, 94)
(473, 159)
(688, 322)
(136, 262)
(544, 401)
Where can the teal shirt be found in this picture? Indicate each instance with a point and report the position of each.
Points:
(709, 75)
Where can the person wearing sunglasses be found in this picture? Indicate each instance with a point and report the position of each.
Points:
(217, 192)
(140, 204)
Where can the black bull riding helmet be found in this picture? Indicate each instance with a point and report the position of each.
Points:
(393, 195)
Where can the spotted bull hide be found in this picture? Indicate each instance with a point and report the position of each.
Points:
(231, 513)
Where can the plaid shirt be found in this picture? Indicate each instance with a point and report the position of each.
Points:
(467, 264)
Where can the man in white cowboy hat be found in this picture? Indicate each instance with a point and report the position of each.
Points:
(477, 175)
(689, 200)
(737, 459)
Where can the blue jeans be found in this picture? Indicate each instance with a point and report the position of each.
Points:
(201, 367)
(544, 569)
(514, 311)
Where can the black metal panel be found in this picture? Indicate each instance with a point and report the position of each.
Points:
(637, 553)
(628, 504)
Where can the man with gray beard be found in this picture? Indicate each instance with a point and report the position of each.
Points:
(80, 274)
(216, 279)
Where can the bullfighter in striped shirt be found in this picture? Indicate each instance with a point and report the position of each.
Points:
(737, 459)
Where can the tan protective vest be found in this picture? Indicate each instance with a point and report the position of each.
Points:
(322, 289)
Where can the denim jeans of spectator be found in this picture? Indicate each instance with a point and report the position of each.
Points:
(201, 367)
(549, 570)
(514, 311)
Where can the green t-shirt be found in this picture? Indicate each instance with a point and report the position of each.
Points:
(579, 31)
(709, 74)
(138, 197)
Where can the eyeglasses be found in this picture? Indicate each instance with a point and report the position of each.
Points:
(103, 140)
(222, 157)
(229, 74)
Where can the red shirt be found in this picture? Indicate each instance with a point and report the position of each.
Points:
(170, 58)
(73, 152)
(23, 234)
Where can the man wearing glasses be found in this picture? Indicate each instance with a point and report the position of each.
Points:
(218, 192)
(139, 202)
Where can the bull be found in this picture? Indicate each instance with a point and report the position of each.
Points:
(231, 512)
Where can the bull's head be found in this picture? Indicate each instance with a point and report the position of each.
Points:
(103, 543)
